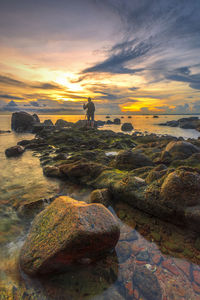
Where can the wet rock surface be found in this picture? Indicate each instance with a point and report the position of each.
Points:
(68, 231)
(143, 172)
(127, 127)
(168, 255)
(14, 151)
(186, 123)
(23, 121)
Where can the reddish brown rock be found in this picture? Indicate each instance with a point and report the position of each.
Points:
(67, 232)
(196, 288)
(157, 259)
(168, 264)
(184, 266)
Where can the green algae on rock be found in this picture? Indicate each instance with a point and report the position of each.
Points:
(67, 232)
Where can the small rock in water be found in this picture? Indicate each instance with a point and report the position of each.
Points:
(14, 151)
(127, 127)
(147, 283)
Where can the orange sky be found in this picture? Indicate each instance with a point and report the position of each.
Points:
(54, 56)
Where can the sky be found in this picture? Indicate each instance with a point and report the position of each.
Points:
(130, 56)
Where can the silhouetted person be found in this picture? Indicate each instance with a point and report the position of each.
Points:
(90, 111)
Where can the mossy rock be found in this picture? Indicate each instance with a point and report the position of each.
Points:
(156, 236)
(174, 246)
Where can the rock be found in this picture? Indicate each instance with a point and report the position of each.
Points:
(109, 122)
(129, 160)
(61, 156)
(5, 131)
(28, 209)
(181, 189)
(22, 121)
(100, 196)
(127, 127)
(128, 236)
(36, 118)
(147, 282)
(181, 149)
(100, 123)
(155, 174)
(155, 117)
(14, 151)
(62, 123)
(52, 171)
(48, 122)
(24, 142)
(117, 121)
(143, 255)
(67, 232)
(123, 250)
(82, 170)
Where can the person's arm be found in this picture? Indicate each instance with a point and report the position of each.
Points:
(85, 106)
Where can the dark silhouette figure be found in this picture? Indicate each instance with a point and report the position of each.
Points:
(90, 111)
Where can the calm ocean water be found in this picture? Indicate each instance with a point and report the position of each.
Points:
(22, 180)
(140, 123)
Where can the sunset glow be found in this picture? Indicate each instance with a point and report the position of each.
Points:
(54, 58)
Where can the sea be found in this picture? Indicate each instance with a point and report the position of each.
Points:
(167, 253)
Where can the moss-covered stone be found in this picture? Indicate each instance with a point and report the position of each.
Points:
(68, 231)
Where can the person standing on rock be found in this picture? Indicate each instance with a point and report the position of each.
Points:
(90, 111)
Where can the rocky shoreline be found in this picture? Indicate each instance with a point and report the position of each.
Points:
(141, 172)
(159, 175)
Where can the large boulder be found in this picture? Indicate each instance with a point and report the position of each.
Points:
(82, 170)
(68, 232)
(184, 148)
(178, 150)
(22, 121)
(181, 189)
(127, 127)
(14, 151)
(129, 160)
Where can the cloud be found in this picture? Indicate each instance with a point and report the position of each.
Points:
(46, 86)
(184, 75)
(115, 63)
(7, 96)
(10, 81)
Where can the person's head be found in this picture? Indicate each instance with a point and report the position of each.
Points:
(89, 99)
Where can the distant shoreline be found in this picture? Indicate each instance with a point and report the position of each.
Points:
(65, 114)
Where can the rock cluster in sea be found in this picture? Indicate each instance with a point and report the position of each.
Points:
(185, 123)
(159, 175)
